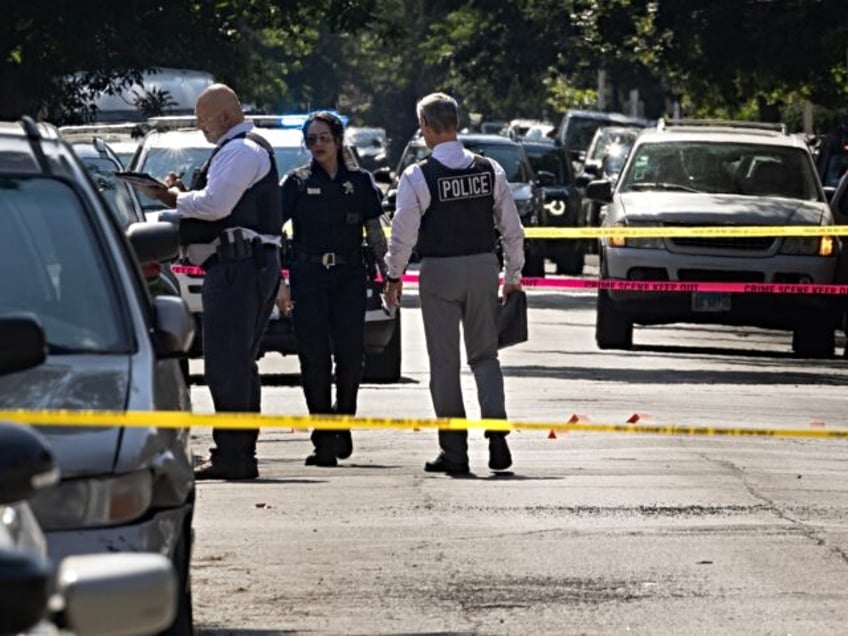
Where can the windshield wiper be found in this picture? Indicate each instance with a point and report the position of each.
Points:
(651, 185)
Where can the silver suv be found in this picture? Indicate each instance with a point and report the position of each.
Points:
(708, 173)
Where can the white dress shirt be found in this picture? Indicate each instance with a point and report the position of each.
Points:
(237, 166)
(413, 199)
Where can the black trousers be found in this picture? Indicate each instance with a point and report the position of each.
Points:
(238, 298)
(329, 325)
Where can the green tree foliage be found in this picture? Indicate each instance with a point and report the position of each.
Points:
(501, 58)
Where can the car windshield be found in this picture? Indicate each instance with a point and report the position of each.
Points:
(60, 271)
(159, 161)
(722, 168)
(580, 132)
(117, 193)
(607, 139)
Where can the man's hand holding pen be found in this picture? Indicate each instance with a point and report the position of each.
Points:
(168, 195)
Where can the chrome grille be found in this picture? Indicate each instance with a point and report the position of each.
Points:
(741, 243)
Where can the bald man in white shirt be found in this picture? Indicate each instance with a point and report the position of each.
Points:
(231, 224)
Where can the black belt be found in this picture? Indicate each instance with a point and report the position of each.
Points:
(242, 251)
(328, 259)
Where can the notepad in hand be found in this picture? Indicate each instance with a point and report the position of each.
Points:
(141, 179)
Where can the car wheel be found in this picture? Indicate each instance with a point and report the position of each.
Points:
(534, 261)
(570, 263)
(385, 366)
(612, 329)
(813, 340)
(183, 624)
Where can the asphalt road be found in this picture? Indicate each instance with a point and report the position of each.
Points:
(591, 534)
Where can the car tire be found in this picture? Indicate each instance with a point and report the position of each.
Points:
(570, 263)
(813, 340)
(534, 261)
(612, 329)
(183, 624)
(385, 366)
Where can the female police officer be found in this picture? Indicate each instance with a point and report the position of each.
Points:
(329, 204)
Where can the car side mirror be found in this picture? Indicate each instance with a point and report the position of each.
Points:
(154, 242)
(22, 342)
(592, 169)
(599, 190)
(121, 593)
(173, 329)
(24, 590)
(26, 463)
(582, 179)
(546, 178)
(383, 175)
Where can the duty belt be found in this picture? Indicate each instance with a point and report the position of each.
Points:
(328, 259)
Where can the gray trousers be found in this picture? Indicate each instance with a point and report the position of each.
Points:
(453, 291)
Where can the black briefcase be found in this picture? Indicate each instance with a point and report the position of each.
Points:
(512, 320)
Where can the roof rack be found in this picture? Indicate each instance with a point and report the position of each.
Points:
(663, 124)
(33, 136)
(292, 120)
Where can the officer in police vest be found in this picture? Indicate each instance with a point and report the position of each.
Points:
(231, 224)
(451, 204)
(330, 204)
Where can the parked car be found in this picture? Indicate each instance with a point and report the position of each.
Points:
(832, 156)
(371, 145)
(604, 160)
(526, 187)
(100, 594)
(111, 346)
(175, 144)
(562, 202)
(577, 128)
(692, 173)
(123, 138)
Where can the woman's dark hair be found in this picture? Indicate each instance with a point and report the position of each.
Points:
(336, 129)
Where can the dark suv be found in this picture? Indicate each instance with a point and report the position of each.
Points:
(578, 127)
(562, 202)
(526, 188)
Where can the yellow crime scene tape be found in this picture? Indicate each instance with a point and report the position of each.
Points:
(181, 419)
(671, 232)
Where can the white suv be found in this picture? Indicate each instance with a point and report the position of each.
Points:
(175, 145)
(708, 173)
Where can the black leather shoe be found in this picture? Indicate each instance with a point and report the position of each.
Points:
(443, 465)
(322, 458)
(230, 471)
(499, 456)
(343, 444)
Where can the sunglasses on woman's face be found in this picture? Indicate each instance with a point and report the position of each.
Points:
(324, 138)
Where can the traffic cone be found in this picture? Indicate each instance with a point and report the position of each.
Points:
(552, 434)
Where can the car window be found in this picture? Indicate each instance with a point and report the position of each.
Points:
(550, 160)
(722, 168)
(60, 271)
(413, 154)
(509, 157)
(117, 193)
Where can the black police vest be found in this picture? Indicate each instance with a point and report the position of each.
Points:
(460, 220)
(259, 209)
(328, 215)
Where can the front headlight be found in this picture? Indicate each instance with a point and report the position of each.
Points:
(808, 245)
(654, 243)
(99, 501)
